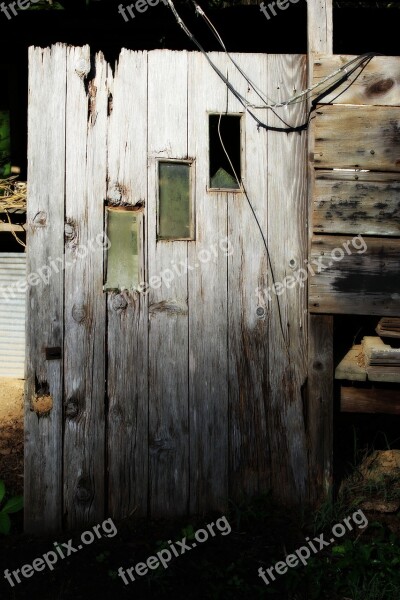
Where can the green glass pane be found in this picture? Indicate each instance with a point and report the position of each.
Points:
(174, 203)
(123, 253)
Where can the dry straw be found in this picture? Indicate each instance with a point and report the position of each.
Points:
(12, 197)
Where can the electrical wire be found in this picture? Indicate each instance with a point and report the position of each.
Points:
(247, 105)
(272, 104)
(345, 71)
(243, 189)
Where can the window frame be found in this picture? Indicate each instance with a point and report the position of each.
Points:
(242, 153)
(192, 180)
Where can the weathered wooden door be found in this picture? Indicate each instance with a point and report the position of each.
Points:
(188, 392)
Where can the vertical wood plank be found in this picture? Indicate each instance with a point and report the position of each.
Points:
(168, 308)
(127, 439)
(320, 328)
(320, 27)
(287, 241)
(84, 442)
(208, 371)
(248, 330)
(45, 234)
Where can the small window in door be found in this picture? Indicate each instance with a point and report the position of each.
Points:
(225, 151)
(175, 200)
(123, 250)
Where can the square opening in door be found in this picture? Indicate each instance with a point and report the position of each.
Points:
(225, 150)
(175, 200)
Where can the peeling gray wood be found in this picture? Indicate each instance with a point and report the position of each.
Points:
(168, 333)
(46, 155)
(360, 204)
(84, 344)
(319, 389)
(358, 278)
(248, 334)
(207, 296)
(127, 387)
(287, 241)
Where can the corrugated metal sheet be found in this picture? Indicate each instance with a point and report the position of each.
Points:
(12, 314)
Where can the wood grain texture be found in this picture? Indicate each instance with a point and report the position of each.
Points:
(319, 391)
(45, 239)
(320, 406)
(375, 400)
(127, 316)
(377, 84)
(356, 203)
(287, 242)
(362, 137)
(250, 457)
(355, 276)
(85, 316)
(208, 303)
(350, 368)
(319, 27)
(168, 329)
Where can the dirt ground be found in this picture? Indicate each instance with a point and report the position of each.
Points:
(12, 434)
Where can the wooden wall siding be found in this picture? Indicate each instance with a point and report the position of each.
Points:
(45, 235)
(287, 241)
(361, 130)
(84, 302)
(168, 327)
(366, 283)
(358, 137)
(127, 312)
(209, 380)
(356, 203)
(319, 389)
(180, 398)
(377, 84)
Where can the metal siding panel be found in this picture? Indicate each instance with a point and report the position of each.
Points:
(12, 316)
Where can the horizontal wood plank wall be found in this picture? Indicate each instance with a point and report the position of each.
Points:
(356, 203)
(85, 314)
(378, 84)
(359, 131)
(127, 360)
(355, 274)
(358, 137)
(45, 240)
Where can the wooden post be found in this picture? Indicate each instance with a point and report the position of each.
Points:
(320, 327)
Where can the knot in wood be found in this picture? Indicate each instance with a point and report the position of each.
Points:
(83, 491)
(119, 302)
(380, 87)
(72, 408)
(79, 313)
(40, 219)
(69, 231)
(82, 67)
